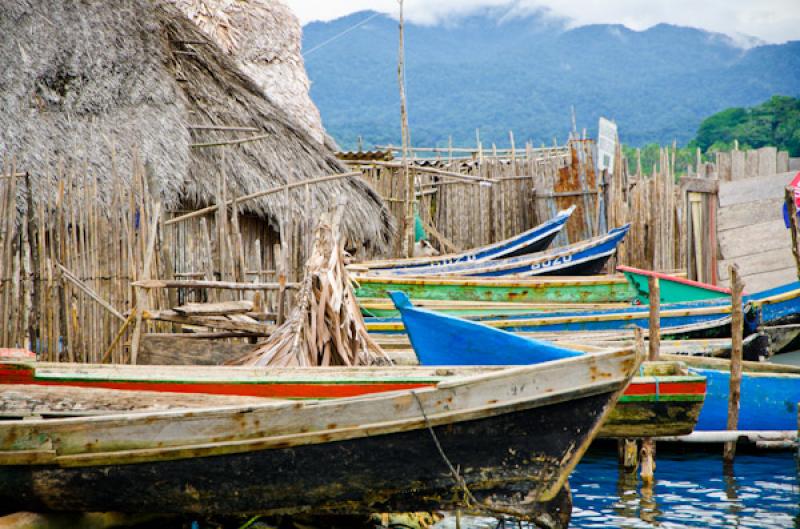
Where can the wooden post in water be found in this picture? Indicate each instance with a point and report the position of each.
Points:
(628, 449)
(648, 454)
(791, 211)
(737, 324)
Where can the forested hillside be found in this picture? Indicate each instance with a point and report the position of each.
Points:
(495, 74)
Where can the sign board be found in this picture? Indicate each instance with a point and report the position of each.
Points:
(606, 145)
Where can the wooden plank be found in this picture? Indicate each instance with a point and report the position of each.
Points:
(752, 239)
(30, 400)
(174, 350)
(258, 329)
(221, 308)
(765, 280)
(769, 261)
(749, 213)
(750, 189)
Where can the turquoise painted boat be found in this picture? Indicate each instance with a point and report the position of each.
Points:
(672, 289)
(589, 289)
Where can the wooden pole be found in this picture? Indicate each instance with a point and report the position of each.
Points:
(737, 329)
(655, 318)
(141, 303)
(408, 225)
(259, 194)
(791, 210)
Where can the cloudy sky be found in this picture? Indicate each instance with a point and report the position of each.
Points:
(769, 20)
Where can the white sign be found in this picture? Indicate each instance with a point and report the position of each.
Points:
(606, 145)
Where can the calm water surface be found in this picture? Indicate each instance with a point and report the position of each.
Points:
(691, 490)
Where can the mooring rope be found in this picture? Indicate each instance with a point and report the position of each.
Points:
(471, 503)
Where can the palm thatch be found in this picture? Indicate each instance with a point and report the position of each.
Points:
(96, 83)
(326, 327)
(264, 38)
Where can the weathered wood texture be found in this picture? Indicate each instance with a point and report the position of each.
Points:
(751, 231)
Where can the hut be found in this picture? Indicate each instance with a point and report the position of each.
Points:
(264, 38)
(115, 110)
(90, 82)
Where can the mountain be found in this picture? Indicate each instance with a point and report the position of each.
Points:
(496, 73)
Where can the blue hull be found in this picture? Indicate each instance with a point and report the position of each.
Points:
(768, 401)
(439, 339)
(583, 258)
(534, 240)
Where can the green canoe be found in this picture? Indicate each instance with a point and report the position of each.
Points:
(589, 289)
(671, 289)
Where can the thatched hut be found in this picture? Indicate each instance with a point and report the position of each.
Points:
(90, 83)
(264, 38)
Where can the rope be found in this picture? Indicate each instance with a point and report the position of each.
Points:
(471, 503)
(348, 30)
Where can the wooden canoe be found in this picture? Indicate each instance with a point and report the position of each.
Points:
(514, 435)
(534, 240)
(672, 289)
(595, 289)
(663, 400)
(681, 320)
(383, 307)
(582, 258)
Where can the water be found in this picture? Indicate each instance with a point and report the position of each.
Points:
(691, 490)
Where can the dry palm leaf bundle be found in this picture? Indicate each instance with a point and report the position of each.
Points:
(326, 327)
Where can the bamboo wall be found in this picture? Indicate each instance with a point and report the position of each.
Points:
(67, 262)
(507, 193)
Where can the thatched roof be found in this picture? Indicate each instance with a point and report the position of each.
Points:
(264, 38)
(82, 77)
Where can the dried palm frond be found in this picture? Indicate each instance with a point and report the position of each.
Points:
(326, 327)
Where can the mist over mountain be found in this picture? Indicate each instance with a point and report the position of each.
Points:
(498, 73)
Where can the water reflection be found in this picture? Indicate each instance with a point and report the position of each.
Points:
(691, 490)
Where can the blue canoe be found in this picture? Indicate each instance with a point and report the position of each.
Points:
(769, 392)
(582, 258)
(533, 240)
(708, 318)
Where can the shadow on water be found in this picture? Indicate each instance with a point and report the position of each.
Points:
(690, 490)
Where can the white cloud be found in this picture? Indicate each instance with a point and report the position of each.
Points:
(769, 20)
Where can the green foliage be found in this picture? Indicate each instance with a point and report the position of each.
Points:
(775, 122)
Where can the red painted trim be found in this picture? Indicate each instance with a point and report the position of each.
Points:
(20, 374)
(668, 277)
(666, 388)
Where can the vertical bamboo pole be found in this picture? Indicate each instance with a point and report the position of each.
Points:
(408, 226)
(737, 328)
(141, 303)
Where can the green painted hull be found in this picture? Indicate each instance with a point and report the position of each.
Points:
(671, 291)
(597, 289)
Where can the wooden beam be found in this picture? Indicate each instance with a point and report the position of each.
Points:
(202, 283)
(257, 329)
(86, 289)
(229, 142)
(700, 185)
(259, 194)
